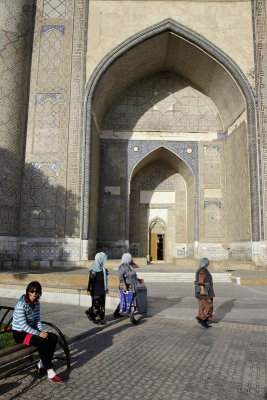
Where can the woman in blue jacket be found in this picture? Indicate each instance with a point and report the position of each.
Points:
(27, 329)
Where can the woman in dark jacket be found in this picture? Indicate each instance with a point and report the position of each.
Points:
(204, 293)
(97, 288)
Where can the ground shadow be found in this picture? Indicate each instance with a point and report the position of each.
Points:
(33, 379)
(224, 309)
(90, 346)
(6, 387)
(159, 304)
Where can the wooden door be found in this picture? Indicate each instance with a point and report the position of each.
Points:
(153, 246)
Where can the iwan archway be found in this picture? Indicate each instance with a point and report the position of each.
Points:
(168, 87)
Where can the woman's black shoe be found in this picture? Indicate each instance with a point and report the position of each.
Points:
(134, 321)
(88, 315)
(201, 322)
(99, 322)
(117, 315)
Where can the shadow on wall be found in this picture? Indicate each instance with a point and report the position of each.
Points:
(160, 102)
(36, 206)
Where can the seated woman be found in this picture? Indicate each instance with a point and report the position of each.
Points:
(97, 289)
(27, 329)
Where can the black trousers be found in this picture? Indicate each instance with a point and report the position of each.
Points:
(45, 347)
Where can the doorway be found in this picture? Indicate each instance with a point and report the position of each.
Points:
(157, 241)
(157, 244)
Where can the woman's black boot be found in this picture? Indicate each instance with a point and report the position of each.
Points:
(133, 320)
(117, 314)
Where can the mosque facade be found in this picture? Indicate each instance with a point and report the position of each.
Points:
(133, 125)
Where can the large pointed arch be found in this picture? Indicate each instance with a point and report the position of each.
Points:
(210, 50)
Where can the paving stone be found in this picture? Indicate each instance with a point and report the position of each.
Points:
(158, 359)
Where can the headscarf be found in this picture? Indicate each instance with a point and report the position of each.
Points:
(99, 266)
(126, 259)
(204, 262)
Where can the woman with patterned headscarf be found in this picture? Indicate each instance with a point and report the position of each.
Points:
(97, 289)
(128, 283)
(204, 293)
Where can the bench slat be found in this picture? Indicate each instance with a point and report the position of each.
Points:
(17, 355)
(11, 349)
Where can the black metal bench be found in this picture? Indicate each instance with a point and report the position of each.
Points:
(16, 352)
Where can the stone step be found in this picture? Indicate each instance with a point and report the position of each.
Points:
(60, 294)
(54, 278)
(180, 276)
(139, 261)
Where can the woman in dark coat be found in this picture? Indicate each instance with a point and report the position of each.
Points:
(204, 293)
(97, 288)
(128, 282)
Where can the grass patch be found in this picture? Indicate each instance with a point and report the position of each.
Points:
(6, 339)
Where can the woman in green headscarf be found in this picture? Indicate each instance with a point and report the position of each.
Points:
(97, 289)
(204, 293)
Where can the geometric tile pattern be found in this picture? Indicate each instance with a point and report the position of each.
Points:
(163, 102)
(51, 182)
(47, 125)
(43, 198)
(237, 193)
(15, 42)
(214, 224)
(8, 221)
(212, 180)
(259, 8)
(51, 58)
(212, 165)
(54, 9)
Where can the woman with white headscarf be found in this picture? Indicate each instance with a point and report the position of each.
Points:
(97, 288)
(128, 284)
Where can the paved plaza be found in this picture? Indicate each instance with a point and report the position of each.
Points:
(167, 356)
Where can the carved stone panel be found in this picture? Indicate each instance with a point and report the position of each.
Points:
(43, 196)
(214, 224)
(212, 165)
(51, 56)
(47, 123)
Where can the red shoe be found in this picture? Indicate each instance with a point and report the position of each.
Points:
(56, 378)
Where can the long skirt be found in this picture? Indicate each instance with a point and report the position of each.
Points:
(205, 309)
(97, 310)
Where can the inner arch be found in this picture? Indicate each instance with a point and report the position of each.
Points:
(162, 188)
